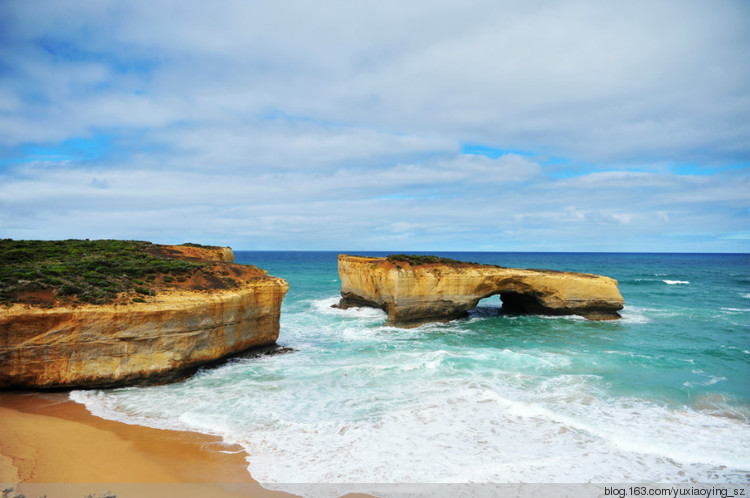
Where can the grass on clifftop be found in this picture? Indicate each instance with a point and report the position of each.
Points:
(82, 271)
(202, 246)
(416, 260)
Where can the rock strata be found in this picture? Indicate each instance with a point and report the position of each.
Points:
(413, 294)
(139, 342)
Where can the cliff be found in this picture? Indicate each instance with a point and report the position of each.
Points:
(176, 324)
(196, 252)
(436, 290)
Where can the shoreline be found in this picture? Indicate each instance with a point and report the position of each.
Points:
(50, 444)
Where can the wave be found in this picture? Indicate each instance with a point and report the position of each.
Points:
(417, 416)
(676, 282)
(326, 306)
(639, 281)
(634, 314)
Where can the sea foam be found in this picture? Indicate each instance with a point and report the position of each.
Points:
(386, 409)
(433, 428)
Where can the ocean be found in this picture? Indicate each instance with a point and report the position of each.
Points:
(662, 395)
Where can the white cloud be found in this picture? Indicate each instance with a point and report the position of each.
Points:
(312, 125)
(601, 81)
(435, 205)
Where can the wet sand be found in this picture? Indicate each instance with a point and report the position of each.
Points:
(51, 445)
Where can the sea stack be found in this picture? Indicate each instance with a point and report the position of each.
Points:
(170, 324)
(418, 289)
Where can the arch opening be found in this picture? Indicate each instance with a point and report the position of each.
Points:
(520, 303)
(487, 306)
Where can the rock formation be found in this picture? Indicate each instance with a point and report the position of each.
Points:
(178, 329)
(202, 253)
(412, 294)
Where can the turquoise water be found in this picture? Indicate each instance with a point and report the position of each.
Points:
(661, 395)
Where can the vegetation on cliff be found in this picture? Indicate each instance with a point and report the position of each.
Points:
(418, 260)
(203, 246)
(93, 271)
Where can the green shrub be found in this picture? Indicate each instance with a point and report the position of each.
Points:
(92, 270)
(192, 244)
(68, 290)
(54, 281)
(414, 259)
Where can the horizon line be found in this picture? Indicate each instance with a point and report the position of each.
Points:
(487, 252)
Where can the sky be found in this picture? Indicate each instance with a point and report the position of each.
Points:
(617, 126)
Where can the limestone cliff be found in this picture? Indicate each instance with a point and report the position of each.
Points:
(179, 328)
(202, 253)
(413, 294)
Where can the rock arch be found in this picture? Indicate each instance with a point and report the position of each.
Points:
(412, 294)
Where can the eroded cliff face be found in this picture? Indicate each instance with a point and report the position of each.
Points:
(415, 294)
(201, 253)
(120, 344)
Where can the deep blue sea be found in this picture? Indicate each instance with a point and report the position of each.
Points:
(662, 395)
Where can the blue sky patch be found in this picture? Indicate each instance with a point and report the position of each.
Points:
(73, 149)
(492, 152)
(119, 63)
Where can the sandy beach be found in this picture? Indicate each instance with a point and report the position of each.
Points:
(51, 445)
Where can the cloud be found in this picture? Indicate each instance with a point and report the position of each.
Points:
(602, 82)
(431, 206)
(299, 125)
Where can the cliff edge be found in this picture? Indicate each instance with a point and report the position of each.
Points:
(416, 290)
(169, 323)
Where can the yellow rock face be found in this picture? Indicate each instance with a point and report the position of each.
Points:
(220, 254)
(106, 345)
(432, 292)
